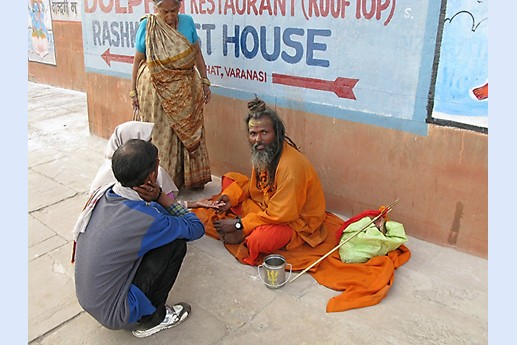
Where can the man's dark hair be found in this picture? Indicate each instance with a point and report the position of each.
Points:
(257, 110)
(133, 162)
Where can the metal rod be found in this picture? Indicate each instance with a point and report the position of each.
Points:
(383, 212)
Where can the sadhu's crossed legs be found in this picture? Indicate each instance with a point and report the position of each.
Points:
(266, 239)
(263, 239)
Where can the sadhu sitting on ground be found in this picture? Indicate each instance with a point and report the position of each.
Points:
(282, 204)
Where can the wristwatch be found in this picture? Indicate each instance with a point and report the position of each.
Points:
(238, 224)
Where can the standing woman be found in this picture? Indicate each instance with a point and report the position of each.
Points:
(168, 91)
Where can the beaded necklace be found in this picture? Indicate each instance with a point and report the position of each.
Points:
(263, 183)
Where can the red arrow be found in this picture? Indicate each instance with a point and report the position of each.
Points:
(108, 57)
(342, 87)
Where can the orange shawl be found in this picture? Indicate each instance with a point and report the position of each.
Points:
(363, 284)
(296, 199)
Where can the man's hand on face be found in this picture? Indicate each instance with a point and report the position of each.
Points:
(148, 191)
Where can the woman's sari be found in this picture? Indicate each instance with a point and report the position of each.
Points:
(170, 95)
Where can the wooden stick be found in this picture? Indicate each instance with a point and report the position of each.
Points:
(383, 212)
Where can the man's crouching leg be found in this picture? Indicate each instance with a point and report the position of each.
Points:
(266, 239)
(156, 276)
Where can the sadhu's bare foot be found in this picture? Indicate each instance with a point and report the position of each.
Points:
(234, 237)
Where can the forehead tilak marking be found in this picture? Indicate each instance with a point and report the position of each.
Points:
(256, 122)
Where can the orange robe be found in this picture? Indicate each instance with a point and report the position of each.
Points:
(297, 200)
(314, 235)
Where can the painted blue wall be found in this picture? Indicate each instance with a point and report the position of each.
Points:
(293, 53)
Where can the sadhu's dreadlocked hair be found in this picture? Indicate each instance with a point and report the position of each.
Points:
(257, 110)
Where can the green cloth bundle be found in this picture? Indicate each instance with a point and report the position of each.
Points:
(370, 242)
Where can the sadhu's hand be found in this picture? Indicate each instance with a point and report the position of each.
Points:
(224, 203)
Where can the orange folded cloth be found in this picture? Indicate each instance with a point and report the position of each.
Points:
(363, 284)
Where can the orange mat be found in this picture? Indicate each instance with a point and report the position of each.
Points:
(363, 284)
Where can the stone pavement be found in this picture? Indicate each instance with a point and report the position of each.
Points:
(439, 297)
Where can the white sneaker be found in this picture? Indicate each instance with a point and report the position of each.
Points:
(173, 316)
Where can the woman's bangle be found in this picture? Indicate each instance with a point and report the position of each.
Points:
(132, 93)
(159, 195)
(206, 81)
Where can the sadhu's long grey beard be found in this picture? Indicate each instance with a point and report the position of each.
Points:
(261, 160)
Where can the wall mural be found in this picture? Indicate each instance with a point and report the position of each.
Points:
(40, 34)
(367, 61)
(461, 93)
